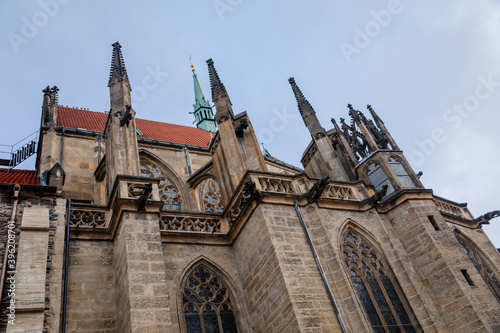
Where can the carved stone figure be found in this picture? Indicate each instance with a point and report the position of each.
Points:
(126, 117)
(318, 188)
(485, 219)
(240, 129)
(148, 188)
(379, 195)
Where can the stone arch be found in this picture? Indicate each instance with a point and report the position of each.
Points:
(481, 262)
(206, 297)
(172, 190)
(373, 281)
(209, 195)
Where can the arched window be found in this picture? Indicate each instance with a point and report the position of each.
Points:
(401, 173)
(168, 192)
(212, 199)
(481, 264)
(377, 288)
(207, 303)
(378, 178)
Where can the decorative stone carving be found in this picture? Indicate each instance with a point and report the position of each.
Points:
(168, 191)
(317, 189)
(212, 199)
(87, 219)
(241, 127)
(189, 224)
(338, 192)
(276, 185)
(448, 208)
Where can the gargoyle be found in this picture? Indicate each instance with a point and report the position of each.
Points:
(141, 201)
(485, 219)
(379, 195)
(317, 189)
(250, 191)
(242, 126)
(126, 117)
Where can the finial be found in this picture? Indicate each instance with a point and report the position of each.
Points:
(46, 91)
(192, 66)
(118, 69)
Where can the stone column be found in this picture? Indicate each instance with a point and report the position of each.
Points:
(142, 296)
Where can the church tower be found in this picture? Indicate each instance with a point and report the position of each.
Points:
(202, 110)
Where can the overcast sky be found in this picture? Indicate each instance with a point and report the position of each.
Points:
(430, 69)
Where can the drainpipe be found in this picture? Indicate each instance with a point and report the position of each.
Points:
(320, 268)
(99, 138)
(187, 159)
(62, 145)
(17, 189)
(66, 268)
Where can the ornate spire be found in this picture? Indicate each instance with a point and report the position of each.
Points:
(302, 103)
(118, 70)
(203, 114)
(218, 89)
(199, 98)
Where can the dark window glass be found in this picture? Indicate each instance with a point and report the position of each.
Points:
(384, 303)
(206, 296)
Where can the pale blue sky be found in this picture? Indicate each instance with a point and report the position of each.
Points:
(413, 61)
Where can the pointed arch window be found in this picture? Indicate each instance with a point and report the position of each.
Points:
(212, 199)
(378, 178)
(207, 303)
(377, 288)
(169, 194)
(481, 263)
(401, 173)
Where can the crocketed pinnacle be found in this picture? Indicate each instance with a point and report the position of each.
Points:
(218, 89)
(118, 69)
(374, 115)
(303, 104)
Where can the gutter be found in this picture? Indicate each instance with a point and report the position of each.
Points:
(320, 268)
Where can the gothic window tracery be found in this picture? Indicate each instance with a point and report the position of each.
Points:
(401, 173)
(207, 303)
(212, 199)
(377, 288)
(169, 193)
(481, 264)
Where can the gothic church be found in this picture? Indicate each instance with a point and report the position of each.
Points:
(133, 225)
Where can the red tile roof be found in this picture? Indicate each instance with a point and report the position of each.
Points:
(152, 130)
(22, 177)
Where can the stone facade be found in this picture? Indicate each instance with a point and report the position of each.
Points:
(178, 237)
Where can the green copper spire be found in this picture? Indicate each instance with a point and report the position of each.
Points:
(202, 110)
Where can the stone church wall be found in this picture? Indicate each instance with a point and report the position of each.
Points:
(92, 293)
